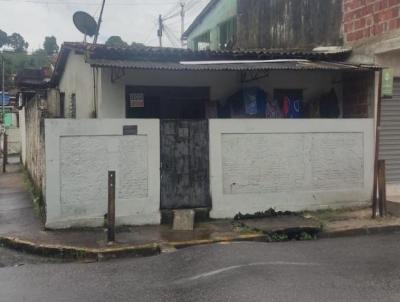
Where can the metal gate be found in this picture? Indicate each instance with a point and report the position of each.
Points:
(184, 164)
(390, 134)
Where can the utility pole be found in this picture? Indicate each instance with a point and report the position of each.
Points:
(160, 30)
(2, 87)
(99, 23)
(182, 4)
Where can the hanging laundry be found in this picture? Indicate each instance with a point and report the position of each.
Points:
(314, 109)
(273, 109)
(254, 100)
(250, 102)
(294, 108)
(285, 107)
(329, 105)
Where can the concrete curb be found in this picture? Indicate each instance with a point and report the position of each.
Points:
(361, 231)
(151, 249)
(73, 252)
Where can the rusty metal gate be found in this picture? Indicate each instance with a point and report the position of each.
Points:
(184, 164)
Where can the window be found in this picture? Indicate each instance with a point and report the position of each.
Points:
(202, 42)
(227, 34)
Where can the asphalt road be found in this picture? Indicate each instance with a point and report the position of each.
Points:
(346, 269)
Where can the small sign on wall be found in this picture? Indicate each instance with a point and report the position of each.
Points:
(136, 100)
(130, 130)
(387, 82)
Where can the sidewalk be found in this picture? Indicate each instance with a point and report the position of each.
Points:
(21, 228)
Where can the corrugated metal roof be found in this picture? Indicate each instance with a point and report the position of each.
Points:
(145, 57)
(272, 65)
(142, 52)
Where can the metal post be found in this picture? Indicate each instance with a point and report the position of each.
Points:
(382, 188)
(377, 136)
(5, 151)
(160, 30)
(182, 22)
(111, 207)
(99, 23)
(2, 88)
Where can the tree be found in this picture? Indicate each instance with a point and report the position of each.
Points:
(50, 45)
(116, 41)
(3, 38)
(17, 42)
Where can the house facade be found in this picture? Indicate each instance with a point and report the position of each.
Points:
(220, 131)
(370, 28)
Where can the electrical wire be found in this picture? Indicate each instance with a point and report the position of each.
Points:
(171, 36)
(81, 3)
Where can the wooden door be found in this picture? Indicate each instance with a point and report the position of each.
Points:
(184, 164)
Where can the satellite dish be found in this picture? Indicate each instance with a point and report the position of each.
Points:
(85, 23)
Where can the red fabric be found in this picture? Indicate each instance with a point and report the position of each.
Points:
(285, 106)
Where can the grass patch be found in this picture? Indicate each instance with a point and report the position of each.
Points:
(243, 229)
(39, 204)
(329, 214)
(278, 237)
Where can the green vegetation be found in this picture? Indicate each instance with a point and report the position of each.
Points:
(3, 38)
(17, 42)
(16, 61)
(39, 205)
(116, 41)
(16, 57)
(306, 236)
(277, 237)
(328, 214)
(50, 45)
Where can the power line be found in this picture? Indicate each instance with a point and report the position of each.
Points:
(46, 2)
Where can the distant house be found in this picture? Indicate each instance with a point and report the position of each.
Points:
(254, 24)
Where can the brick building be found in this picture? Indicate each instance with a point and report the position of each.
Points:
(372, 29)
(363, 19)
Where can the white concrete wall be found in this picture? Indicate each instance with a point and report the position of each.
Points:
(79, 154)
(289, 164)
(78, 78)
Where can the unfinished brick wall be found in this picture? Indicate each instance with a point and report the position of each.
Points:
(363, 19)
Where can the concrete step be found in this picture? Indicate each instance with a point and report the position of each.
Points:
(183, 220)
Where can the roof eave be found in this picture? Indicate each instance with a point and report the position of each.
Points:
(199, 18)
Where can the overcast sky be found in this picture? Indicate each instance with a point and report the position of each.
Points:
(133, 20)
